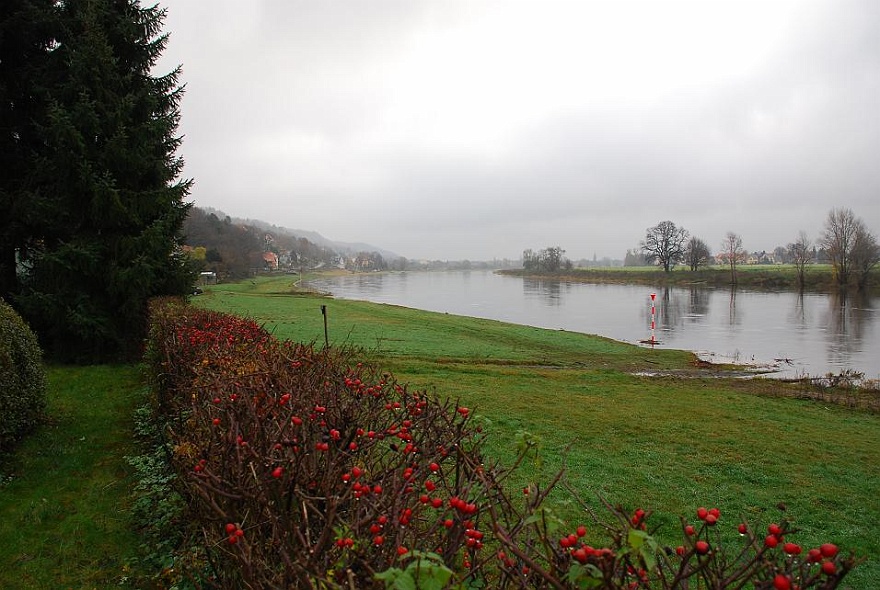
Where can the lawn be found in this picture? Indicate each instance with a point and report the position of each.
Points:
(669, 443)
(64, 493)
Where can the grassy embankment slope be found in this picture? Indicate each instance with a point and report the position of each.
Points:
(666, 443)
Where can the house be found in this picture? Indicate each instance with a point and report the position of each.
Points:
(762, 257)
(270, 260)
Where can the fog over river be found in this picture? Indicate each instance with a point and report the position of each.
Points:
(809, 334)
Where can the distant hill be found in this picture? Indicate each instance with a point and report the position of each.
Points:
(316, 238)
(236, 248)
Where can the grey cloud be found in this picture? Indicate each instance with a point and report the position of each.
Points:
(318, 115)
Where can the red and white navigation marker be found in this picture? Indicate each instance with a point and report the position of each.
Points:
(653, 339)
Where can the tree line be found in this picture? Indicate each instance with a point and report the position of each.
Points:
(551, 259)
(850, 247)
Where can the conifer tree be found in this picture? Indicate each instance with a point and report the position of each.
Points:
(26, 36)
(104, 179)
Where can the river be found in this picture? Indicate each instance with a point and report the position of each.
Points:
(798, 335)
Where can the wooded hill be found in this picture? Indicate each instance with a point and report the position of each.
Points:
(236, 248)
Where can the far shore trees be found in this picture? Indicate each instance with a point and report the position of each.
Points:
(665, 243)
(800, 254)
(696, 253)
(838, 240)
(852, 249)
(547, 260)
(733, 253)
(865, 255)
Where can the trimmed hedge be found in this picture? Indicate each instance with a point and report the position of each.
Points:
(22, 378)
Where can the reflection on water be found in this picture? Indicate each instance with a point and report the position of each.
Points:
(550, 292)
(698, 302)
(732, 318)
(798, 316)
(848, 316)
(818, 333)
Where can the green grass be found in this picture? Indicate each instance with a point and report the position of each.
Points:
(65, 490)
(666, 443)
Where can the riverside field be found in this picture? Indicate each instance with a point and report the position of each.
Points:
(684, 438)
(638, 427)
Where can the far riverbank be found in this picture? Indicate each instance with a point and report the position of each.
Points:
(818, 278)
(809, 333)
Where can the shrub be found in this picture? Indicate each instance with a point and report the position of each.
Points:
(303, 468)
(22, 377)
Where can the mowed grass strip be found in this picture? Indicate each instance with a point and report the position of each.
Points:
(65, 490)
(669, 444)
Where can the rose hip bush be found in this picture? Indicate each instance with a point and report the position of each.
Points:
(304, 468)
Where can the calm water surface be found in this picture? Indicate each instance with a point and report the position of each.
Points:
(814, 333)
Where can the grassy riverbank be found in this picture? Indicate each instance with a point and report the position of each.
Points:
(670, 443)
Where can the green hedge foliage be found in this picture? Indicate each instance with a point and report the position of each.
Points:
(22, 377)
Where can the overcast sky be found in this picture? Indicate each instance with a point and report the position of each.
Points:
(474, 130)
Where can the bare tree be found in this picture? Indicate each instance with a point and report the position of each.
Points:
(865, 254)
(696, 253)
(665, 243)
(838, 240)
(732, 249)
(800, 253)
(530, 259)
(780, 255)
(552, 258)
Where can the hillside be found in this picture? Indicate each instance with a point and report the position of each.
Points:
(237, 248)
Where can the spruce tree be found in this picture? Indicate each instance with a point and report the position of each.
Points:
(27, 33)
(106, 178)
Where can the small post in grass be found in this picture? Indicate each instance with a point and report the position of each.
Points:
(326, 337)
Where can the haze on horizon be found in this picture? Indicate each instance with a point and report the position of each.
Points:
(477, 129)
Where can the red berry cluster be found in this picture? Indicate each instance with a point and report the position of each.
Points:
(233, 533)
(637, 520)
(709, 516)
(581, 551)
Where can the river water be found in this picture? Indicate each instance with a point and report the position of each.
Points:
(797, 334)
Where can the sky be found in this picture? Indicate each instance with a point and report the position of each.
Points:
(451, 130)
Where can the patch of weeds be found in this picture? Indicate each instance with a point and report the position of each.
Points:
(158, 510)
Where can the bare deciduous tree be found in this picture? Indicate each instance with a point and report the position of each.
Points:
(696, 253)
(800, 253)
(838, 240)
(732, 250)
(665, 243)
(865, 254)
